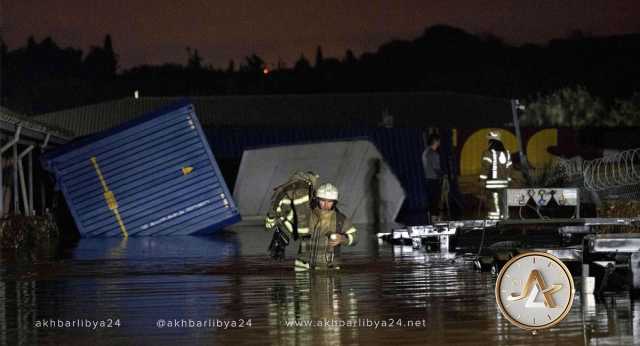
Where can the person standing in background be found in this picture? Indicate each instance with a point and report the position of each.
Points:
(433, 174)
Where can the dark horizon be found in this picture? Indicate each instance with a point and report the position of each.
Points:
(284, 30)
(41, 77)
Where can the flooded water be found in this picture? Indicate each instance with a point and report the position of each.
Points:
(224, 290)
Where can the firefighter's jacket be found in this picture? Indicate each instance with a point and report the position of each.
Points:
(496, 169)
(314, 251)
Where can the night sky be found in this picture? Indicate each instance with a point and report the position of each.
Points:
(158, 31)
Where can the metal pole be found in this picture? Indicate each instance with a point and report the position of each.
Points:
(43, 197)
(515, 106)
(25, 198)
(2, 185)
(16, 195)
(46, 142)
(30, 177)
(15, 139)
(4, 148)
(634, 266)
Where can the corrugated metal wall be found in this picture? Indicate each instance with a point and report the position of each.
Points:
(155, 176)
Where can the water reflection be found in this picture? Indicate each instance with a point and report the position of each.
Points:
(312, 298)
(134, 249)
(230, 277)
(615, 322)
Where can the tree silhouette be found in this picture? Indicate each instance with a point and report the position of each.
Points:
(3, 47)
(194, 60)
(231, 67)
(42, 77)
(319, 57)
(31, 42)
(102, 62)
(111, 59)
(253, 64)
(302, 64)
(349, 58)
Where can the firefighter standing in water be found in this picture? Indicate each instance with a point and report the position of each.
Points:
(496, 169)
(328, 229)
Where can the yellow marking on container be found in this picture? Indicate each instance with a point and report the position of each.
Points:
(186, 170)
(109, 197)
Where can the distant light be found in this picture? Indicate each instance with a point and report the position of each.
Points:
(266, 71)
(136, 94)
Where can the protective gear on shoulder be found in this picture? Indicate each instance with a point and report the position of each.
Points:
(308, 177)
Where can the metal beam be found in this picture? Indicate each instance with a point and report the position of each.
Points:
(46, 141)
(16, 138)
(30, 181)
(2, 211)
(515, 106)
(617, 243)
(634, 262)
(23, 185)
(37, 135)
(595, 221)
(43, 197)
(11, 143)
(16, 195)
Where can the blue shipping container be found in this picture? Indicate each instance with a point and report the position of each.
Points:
(155, 175)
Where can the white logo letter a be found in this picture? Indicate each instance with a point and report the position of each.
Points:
(531, 303)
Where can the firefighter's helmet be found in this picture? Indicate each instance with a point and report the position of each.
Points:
(495, 135)
(327, 191)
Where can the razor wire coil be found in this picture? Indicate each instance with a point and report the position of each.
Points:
(610, 172)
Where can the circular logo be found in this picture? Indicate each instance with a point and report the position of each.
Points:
(535, 290)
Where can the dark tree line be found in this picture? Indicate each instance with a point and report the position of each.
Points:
(42, 77)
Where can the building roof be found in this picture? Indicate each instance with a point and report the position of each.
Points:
(417, 109)
(31, 129)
